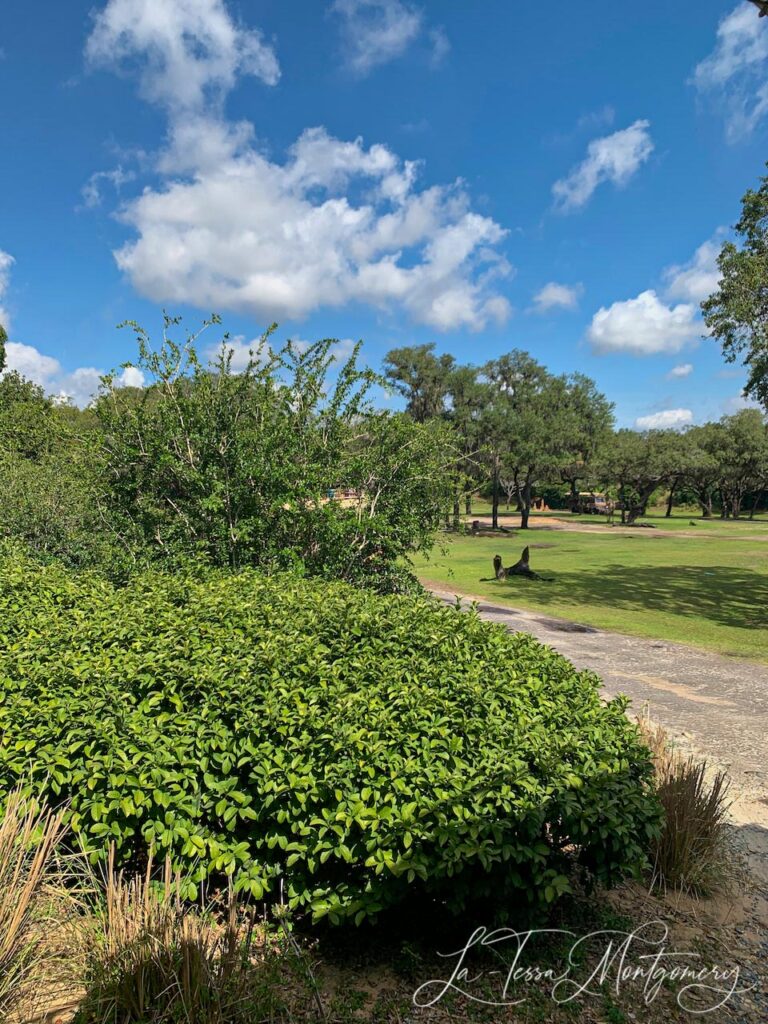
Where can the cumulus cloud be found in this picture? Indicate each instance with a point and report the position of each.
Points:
(613, 158)
(6, 262)
(26, 360)
(735, 74)
(376, 31)
(78, 386)
(280, 240)
(242, 350)
(557, 296)
(335, 222)
(188, 52)
(644, 326)
(668, 419)
(654, 325)
(696, 280)
(680, 371)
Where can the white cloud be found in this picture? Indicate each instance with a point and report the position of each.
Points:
(335, 222)
(557, 296)
(601, 118)
(650, 325)
(735, 74)
(26, 360)
(189, 52)
(736, 403)
(6, 262)
(376, 31)
(242, 350)
(644, 326)
(78, 386)
(613, 158)
(281, 240)
(91, 190)
(132, 377)
(680, 371)
(668, 419)
(696, 280)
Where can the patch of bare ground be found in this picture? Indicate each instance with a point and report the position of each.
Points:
(407, 970)
(511, 525)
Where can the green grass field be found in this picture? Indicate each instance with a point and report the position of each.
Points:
(709, 590)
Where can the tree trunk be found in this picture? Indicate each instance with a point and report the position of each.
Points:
(495, 500)
(623, 505)
(456, 513)
(525, 505)
(755, 503)
(706, 506)
(670, 499)
(468, 504)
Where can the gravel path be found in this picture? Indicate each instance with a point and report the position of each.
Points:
(716, 704)
(716, 708)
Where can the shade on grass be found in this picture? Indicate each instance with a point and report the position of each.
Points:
(710, 592)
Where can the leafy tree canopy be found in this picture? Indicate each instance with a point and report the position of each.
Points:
(737, 313)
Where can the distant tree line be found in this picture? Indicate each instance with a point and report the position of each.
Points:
(237, 467)
(521, 429)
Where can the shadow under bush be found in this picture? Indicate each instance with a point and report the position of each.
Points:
(335, 748)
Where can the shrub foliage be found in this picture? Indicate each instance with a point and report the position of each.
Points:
(342, 747)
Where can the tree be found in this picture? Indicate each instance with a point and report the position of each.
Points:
(236, 467)
(526, 426)
(590, 429)
(465, 398)
(702, 468)
(638, 463)
(742, 455)
(3, 342)
(421, 377)
(737, 312)
(47, 478)
(26, 417)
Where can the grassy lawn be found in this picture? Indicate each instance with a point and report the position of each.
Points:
(694, 590)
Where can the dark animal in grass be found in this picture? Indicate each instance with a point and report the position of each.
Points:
(520, 568)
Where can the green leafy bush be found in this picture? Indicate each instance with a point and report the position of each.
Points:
(347, 748)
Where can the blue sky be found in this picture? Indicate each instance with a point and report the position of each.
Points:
(554, 177)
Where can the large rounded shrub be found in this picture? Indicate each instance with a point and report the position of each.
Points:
(344, 748)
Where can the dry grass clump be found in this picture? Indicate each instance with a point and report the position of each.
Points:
(155, 958)
(32, 897)
(693, 852)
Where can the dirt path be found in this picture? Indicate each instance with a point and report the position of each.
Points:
(709, 703)
(511, 524)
